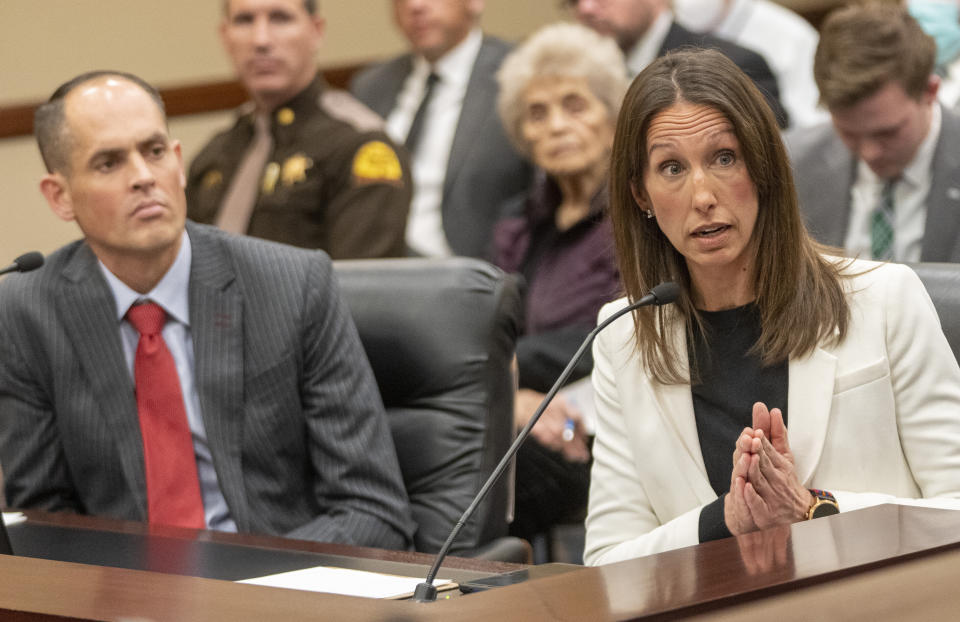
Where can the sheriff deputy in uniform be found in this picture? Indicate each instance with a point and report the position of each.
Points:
(304, 164)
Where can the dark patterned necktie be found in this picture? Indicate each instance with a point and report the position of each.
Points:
(416, 127)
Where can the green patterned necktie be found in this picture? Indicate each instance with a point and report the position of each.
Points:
(881, 224)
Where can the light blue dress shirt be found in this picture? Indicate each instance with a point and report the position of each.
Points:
(173, 294)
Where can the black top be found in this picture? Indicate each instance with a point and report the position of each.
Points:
(728, 380)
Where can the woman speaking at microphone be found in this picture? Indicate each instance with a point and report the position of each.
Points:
(784, 383)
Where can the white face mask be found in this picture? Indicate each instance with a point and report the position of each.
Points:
(700, 15)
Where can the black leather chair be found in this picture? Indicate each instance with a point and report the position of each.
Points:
(440, 336)
(942, 281)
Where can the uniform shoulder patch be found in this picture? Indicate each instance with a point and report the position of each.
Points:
(344, 107)
(376, 161)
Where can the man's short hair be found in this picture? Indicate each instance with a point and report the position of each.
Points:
(49, 120)
(310, 6)
(865, 46)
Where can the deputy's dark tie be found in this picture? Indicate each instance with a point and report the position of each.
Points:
(881, 224)
(416, 128)
(173, 488)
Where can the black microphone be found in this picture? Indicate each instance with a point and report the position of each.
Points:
(25, 263)
(662, 294)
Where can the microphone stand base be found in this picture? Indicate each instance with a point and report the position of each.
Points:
(425, 593)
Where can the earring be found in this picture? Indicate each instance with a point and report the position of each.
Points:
(649, 213)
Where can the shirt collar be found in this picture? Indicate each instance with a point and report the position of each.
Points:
(919, 168)
(454, 67)
(645, 50)
(171, 293)
(301, 105)
(736, 19)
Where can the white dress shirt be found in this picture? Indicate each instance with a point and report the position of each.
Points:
(787, 42)
(425, 223)
(172, 293)
(950, 85)
(909, 199)
(645, 50)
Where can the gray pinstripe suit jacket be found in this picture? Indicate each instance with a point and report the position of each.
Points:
(293, 418)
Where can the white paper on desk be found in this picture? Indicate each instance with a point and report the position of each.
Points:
(345, 581)
(12, 518)
(579, 394)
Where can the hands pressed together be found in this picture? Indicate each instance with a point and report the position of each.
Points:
(764, 488)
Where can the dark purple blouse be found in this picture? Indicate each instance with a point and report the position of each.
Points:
(570, 274)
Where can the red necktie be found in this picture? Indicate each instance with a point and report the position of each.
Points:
(173, 488)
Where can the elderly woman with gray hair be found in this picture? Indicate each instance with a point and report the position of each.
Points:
(559, 96)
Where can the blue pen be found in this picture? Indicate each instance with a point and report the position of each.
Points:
(568, 430)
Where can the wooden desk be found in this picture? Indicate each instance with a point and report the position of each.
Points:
(883, 562)
(212, 554)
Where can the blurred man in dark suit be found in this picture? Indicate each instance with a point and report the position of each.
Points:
(646, 29)
(440, 100)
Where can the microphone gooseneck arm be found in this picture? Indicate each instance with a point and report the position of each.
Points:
(662, 294)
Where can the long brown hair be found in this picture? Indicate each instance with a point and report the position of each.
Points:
(799, 294)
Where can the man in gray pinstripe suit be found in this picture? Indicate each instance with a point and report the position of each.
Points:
(287, 426)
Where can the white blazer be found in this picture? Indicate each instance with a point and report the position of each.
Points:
(872, 419)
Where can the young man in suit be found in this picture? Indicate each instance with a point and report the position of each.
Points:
(646, 29)
(464, 169)
(882, 180)
(303, 164)
(163, 371)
